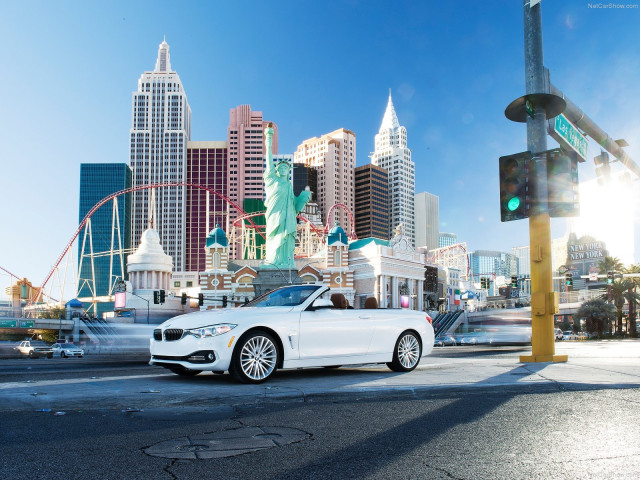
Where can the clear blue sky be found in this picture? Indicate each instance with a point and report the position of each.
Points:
(68, 69)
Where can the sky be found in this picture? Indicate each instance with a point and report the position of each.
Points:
(69, 68)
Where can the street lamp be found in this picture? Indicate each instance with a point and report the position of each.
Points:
(135, 295)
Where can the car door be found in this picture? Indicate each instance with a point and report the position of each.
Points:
(331, 332)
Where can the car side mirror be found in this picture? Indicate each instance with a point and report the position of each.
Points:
(321, 303)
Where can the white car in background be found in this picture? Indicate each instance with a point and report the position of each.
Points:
(569, 335)
(66, 350)
(290, 327)
(34, 349)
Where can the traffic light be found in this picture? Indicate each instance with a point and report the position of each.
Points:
(514, 281)
(514, 186)
(156, 297)
(568, 279)
(183, 300)
(224, 301)
(483, 283)
(562, 184)
(603, 169)
(201, 299)
(609, 278)
(162, 296)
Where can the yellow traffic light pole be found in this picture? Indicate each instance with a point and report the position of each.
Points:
(544, 301)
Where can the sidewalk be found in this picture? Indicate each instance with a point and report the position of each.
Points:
(591, 365)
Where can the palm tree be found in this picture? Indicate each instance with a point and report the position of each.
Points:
(633, 268)
(610, 264)
(621, 291)
(597, 313)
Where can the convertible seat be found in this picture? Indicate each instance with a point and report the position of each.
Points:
(371, 302)
(339, 300)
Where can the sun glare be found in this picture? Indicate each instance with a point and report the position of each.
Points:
(607, 213)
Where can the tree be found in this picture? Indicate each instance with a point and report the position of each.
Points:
(621, 291)
(633, 268)
(610, 264)
(597, 313)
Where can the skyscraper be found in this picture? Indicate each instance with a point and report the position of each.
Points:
(245, 136)
(427, 220)
(206, 166)
(447, 239)
(97, 181)
(160, 130)
(371, 202)
(245, 139)
(334, 157)
(392, 154)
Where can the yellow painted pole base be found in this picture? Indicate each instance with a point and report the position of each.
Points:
(543, 358)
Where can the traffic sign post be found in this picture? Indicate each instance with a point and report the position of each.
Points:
(567, 135)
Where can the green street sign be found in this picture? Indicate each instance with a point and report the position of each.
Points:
(8, 324)
(27, 323)
(565, 133)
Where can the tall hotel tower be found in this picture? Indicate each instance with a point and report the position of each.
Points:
(160, 130)
(392, 154)
(334, 157)
(245, 139)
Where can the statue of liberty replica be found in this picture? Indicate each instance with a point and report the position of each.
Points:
(282, 208)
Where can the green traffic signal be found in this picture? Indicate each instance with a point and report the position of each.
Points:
(514, 186)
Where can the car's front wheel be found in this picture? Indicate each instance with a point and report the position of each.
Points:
(32, 355)
(63, 355)
(407, 352)
(255, 358)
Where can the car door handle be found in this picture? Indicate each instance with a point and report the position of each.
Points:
(365, 316)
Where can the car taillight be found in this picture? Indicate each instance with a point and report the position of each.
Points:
(429, 319)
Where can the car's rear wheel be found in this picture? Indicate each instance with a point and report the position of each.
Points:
(49, 355)
(407, 352)
(185, 372)
(255, 358)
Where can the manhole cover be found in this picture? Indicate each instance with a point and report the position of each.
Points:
(226, 443)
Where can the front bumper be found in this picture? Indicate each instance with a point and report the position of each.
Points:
(206, 354)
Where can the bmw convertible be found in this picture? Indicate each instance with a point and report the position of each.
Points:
(291, 327)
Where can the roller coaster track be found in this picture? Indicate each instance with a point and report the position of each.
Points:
(39, 290)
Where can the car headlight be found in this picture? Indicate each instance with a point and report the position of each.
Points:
(210, 331)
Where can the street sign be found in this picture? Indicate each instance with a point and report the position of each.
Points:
(593, 277)
(565, 133)
(27, 323)
(8, 324)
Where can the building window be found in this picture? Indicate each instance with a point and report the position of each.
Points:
(176, 284)
(189, 284)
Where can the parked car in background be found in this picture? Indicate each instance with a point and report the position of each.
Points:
(558, 334)
(444, 341)
(64, 350)
(569, 335)
(34, 349)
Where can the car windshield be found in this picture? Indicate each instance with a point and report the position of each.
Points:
(67, 345)
(284, 297)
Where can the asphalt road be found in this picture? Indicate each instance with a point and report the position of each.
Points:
(468, 413)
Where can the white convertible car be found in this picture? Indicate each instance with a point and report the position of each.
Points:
(291, 327)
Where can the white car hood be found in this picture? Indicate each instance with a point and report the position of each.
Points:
(238, 316)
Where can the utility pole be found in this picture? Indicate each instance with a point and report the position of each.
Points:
(544, 301)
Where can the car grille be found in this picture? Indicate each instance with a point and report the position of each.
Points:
(157, 335)
(173, 334)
